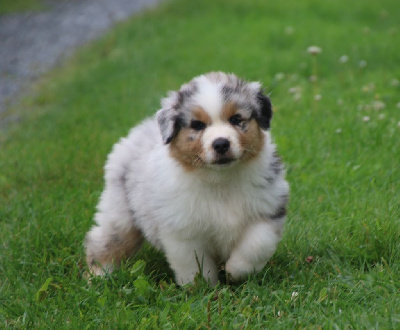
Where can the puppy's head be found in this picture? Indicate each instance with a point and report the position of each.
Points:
(215, 120)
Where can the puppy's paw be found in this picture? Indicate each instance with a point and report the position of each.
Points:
(238, 269)
(97, 269)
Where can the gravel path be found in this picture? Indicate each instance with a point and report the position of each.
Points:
(33, 43)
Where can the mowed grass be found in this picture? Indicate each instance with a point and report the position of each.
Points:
(338, 132)
(16, 6)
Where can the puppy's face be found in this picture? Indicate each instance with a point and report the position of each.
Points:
(216, 120)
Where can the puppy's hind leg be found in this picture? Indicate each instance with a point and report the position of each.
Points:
(106, 248)
(115, 236)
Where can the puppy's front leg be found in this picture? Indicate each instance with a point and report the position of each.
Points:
(255, 248)
(185, 256)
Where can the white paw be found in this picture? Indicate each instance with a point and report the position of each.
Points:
(210, 275)
(239, 269)
(100, 270)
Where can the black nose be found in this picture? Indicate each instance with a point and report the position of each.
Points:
(221, 145)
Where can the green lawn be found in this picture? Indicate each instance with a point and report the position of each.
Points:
(339, 135)
(15, 6)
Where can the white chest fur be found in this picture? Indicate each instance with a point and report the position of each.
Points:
(215, 206)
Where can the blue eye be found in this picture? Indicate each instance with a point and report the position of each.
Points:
(236, 120)
(197, 125)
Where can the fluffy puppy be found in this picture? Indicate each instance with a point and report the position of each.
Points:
(200, 181)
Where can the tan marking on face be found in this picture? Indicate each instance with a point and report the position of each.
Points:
(200, 114)
(252, 141)
(228, 111)
(186, 148)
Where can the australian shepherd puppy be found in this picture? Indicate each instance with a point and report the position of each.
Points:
(201, 181)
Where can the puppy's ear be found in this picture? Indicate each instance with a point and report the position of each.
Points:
(169, 123)
(264, 115)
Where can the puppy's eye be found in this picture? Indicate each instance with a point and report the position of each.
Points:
(197, 125)
(236, 120)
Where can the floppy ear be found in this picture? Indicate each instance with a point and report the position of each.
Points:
(264, 115)
(168, 121)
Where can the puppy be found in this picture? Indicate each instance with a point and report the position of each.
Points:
(200, 181)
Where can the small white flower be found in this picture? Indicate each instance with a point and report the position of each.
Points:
(362, 64)
(343, 59)
(289, 30)
(314, 50)
(368, 88)
(381, 116)
(317, 97)
(338, 131)
(378, 105)
(394, 82)
(294, 90)
(383, 13)
(365, 119)
(398, 105)
(295, 294)
(297, 96)
(279, 76)
(366, 30)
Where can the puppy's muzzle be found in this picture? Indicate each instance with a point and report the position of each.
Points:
(223, 154)
(221, 146)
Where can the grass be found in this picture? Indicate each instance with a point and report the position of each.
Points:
(16, 6)
(338, 263)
